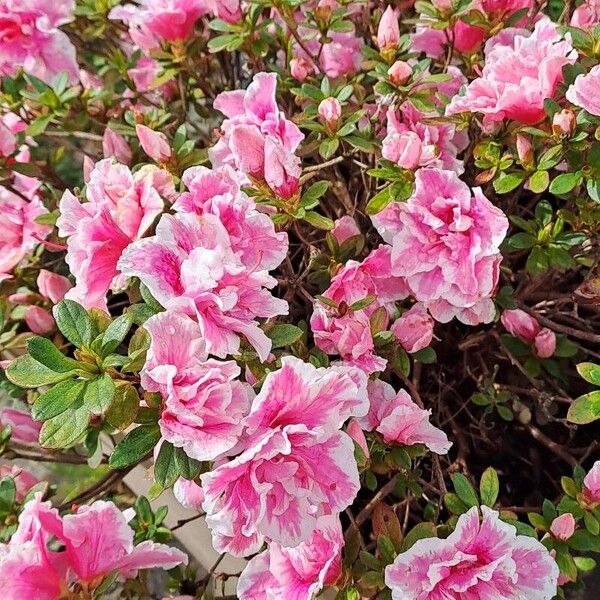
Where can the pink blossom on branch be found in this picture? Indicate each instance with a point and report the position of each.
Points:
(399, 420)
(521, 70)
(30, 38)
(120, 208)
(414, 329)
(256, 137)
(445, 243)
(204, 403)
(297, 465)
(585, 91)
(480, 559)
(299, 572)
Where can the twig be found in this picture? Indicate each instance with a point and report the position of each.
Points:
(377, 498)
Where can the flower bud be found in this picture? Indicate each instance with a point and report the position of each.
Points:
(116, 145)
(154, 143)
(345, 228)
(414, 329)
(354, 430)
(53, 286)
(301, 68)
(545, 343)
(524, 150)
(39, 320)
(442, 5)
(324, 10)
(330, 110)
(400, 72)
(563, 123)
(388, 34)
(520, 324)
(563, 527)
(408, 148)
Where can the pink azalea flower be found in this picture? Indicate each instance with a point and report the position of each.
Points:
(96, 541)
(585, 91)
(480, 559)
(410, 142)
(344, 229)
(297, 465)
(348, 332)
(298, 573)
(445, 243)
(191, 268)
(388, 32)
(115, 145)
(521, 70)
(227, 10)
(355, 431)
(153, 21)
(19, 234)
(23, 479)
(591, 486)
(399, 420)
(256, 137)
(204, 403)
(587, 15)
(24, 429)
(121, 207)
(30, 38)
(251, 232)
(414, 329)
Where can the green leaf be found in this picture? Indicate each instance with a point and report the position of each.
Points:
(284, 334)
(544, 212)
(65, 429)
(46, 353)
(378, 202)
(115, 334)
(489, 487)
(565, 182)
(57, 399)
(521, 241)
(8, 494)
(426, 356)
(537, 261)
(539, 182)
(590, 372)
(318, 221)
(165, 468)
(124, 408)
(454, 504)
(464, 490)
(188, 468)
(311, 196)
(73, 322)
(134, 446)
(420, 531)
(99, 394)
(585, 409)
(508, 182)
(328, 147)
(26, 372)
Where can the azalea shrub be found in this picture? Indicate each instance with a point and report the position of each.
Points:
(326, 270)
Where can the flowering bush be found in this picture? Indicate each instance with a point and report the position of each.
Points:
(327, 270)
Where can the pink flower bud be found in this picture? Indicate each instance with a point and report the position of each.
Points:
(24, 429)
(330, 110)
(388, 34)
(53, 286)
(400, 72)
(520, 324)
(301, 68)
(563, 527)
(524, 149)
(442, 5)
(116, 145)
(345, 228)
(39, 320)
(563, 123)
(24, 298)
(408, 148)
(354, 430)
(545, 343)
(154, 143)
(414, 329)
(23, 479)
